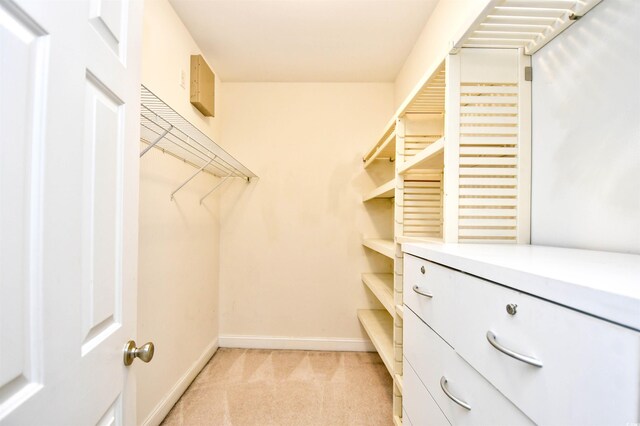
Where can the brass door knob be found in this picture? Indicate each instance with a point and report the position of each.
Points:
(144, 352)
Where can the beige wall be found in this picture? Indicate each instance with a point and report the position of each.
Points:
(442, 28)
(290, 253)
(179, 240)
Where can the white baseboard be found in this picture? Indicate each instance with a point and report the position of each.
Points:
(164, 406)
(296, 343)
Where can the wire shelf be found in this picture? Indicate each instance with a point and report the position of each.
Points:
(163, 128)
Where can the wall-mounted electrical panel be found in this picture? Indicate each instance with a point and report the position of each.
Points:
(202, 86)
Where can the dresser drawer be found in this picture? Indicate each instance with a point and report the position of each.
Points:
(435, 362)
(589, 371)
(427, 291)
(420, 408)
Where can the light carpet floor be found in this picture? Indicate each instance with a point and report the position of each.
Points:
(242, 387)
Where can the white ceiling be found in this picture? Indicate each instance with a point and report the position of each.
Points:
(305, 40)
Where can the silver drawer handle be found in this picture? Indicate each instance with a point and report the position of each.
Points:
(422, 292)
(443, 385)
(524, 358)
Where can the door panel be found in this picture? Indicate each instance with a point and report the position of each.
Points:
(102, 254)
(109, 20)
(113, 415)
(22, 70)
(69, 138)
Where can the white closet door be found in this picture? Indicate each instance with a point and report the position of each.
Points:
(69, 106)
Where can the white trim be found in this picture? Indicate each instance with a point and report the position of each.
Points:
(299, 343)
(166, 404)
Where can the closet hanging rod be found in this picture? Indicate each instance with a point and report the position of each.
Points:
(181, 139)
(196, 151)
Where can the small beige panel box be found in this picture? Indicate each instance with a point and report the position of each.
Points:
(202, 86)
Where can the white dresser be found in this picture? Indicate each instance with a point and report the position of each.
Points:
(504, 334)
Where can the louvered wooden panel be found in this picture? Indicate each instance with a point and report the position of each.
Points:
(488, 162)
(422, 204)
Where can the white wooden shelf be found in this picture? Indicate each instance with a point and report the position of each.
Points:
(381, 285)
(385, 147)
(432, 157)
(526, 24)
(383, 191)
(379, 326)
(384, 247)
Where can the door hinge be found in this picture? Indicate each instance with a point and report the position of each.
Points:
(528, 74)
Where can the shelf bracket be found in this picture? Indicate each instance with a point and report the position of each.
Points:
(158, 139)
(216, 187)
(192, 176)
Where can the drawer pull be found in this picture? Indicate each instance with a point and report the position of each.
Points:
(443, 385)
(524, 358)
(422, 292)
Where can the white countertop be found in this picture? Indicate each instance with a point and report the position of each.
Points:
(603, 284)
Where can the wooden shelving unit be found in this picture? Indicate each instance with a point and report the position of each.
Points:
(461, 146)
(386, 190)
(379, 326)
(460, 172)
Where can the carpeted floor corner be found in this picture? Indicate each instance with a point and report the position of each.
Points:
(243, 387)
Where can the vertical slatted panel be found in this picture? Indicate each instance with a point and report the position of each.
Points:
(488, 162)
(398, 267)
(422, 204)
